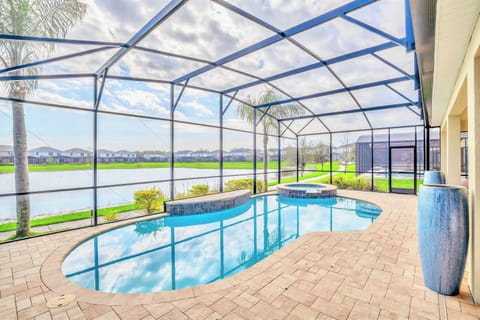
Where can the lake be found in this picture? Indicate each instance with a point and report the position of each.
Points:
(60, 202)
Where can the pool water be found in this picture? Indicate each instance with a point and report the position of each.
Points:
(185, 251)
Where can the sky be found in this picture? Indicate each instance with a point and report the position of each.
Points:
(208, 31)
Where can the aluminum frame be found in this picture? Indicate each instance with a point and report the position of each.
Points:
(101, 74)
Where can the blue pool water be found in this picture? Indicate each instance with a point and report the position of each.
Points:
(185, 251)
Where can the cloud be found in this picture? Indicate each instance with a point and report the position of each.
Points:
(337, 37)
(206, 30)
(5, 109)
(201, 109)
(394, 117)
(285, 13)
(123, 98)
(220, 79)
(279, 57)
(54, 97)
(236, 123)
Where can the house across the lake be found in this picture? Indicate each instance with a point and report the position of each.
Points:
(48, 155)
(6, 154)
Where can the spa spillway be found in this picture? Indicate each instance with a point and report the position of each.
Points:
(307, 190)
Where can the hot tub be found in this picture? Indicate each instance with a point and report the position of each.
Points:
(307, 190)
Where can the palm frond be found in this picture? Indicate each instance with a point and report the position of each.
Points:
(269, 121)
(39, 18)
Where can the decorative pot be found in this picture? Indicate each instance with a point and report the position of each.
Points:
(433, 177)
(443, 236)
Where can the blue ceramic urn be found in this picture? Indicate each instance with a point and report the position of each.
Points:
(433, 177)
(443, 236)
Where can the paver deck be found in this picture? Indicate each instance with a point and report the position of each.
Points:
(371, 274)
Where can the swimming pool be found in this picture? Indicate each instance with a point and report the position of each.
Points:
(185, 251)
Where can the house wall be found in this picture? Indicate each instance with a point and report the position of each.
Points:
(463, 113)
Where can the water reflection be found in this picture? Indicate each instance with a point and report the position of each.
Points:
(149, 227)
(179, 252)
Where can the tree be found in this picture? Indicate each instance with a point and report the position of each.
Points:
(347, 151)
(289, 154)
(150, 200)
(320, 153)
(268, 124)
(304, 151)
(52, 19)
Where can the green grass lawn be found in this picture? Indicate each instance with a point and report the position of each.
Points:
(382, 183)
(326, 166)
(10, 226)
(142, 165)
(146, 165)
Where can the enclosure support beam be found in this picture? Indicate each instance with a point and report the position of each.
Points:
(389, 163)
(95, 152)
(279, 154)
(220, 156)
(60, 58)
(97, 97)
(327, 114)
(371, 164)
(373, 29)
(297, 160)
(316, 65)
(172, 141)
(279, 36)
(158, 19)
(254, 151)
(335, 91)
(331, 161)
(415, 163)
(175, 104)
(223, 111)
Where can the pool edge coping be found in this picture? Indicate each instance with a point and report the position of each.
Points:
(52, 276)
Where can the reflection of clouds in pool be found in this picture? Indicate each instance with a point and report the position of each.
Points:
(198, 258)
(182, 233)
(82, 259)
(342, 221)
(142, 274)
(238, 239)
(161, 238)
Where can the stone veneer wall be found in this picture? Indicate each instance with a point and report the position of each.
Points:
(208, 203)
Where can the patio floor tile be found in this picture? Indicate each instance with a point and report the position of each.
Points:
(370, 274)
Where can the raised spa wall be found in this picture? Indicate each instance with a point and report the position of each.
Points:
(323, 191)
(208, 203)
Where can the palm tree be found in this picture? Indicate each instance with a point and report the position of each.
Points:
(46, 18)
(268, 124)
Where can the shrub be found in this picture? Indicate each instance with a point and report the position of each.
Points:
(244, 184)
(340, 181)
(354, 183)
(111, 216)
(181, 195)
(198, 190)
(150, 200)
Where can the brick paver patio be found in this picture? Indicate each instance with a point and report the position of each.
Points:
(372, 274)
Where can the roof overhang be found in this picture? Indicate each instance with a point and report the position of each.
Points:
(423, 20)
(455, 21)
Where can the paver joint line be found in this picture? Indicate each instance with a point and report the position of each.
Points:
(330, 275)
